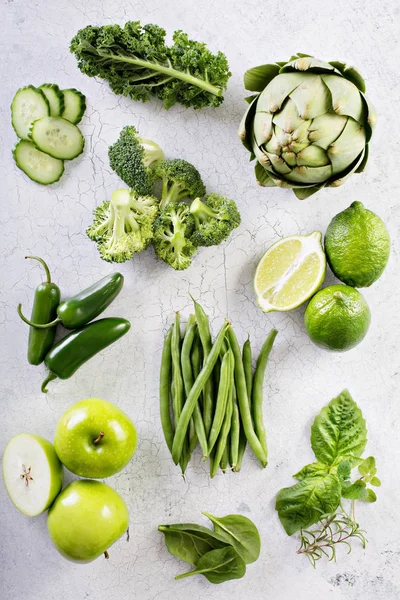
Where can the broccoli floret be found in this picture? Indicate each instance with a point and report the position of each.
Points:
(172, 230)
(124, 225)
(131, 158)
(180, 179)
(215, 218)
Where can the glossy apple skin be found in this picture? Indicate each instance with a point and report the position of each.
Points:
(86, 519)
(78, 429)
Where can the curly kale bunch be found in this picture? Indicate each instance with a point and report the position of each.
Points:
(136, 62)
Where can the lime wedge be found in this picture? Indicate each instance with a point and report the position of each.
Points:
(290, 272)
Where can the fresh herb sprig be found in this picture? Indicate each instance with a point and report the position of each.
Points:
(338, 439)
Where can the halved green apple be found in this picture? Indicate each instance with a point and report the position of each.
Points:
(32, 473)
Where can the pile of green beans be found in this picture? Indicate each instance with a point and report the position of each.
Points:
(209, 395)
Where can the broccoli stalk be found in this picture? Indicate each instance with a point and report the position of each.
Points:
(180, 179)
(172, 231)
(131, 158)
(214, 218)
(124, 225)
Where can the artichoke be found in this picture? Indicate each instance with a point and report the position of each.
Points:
(309, 124)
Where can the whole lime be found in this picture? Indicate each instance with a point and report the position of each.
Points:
(357, 246)
(337, 318)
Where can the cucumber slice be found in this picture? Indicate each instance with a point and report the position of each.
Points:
(28, 105)
(74, 105)
(39, 167)
(57, 137)
(55, 98)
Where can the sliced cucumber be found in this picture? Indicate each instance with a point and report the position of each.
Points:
(74, 105)
(39, 167)
(55, 98)
(58, 137)
(28, 105)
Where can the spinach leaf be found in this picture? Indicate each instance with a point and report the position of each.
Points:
(303, 504)
(240, 532)
(339, 431)
(312, 469)
(219, 565)
(189, 541)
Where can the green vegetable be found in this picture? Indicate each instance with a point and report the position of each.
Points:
(55, 98)
(219, 565)
(221, 449)
(57, 137)
(165, 376)
(206, 342)
(243, 401)
(257, 389)
(172, 231)
(180, 179)
(338, 438)
(189, 542)
(215, 218)
(28, 105)
(74, 105)
(308, 125)
(339, 431)
(234, 433)
(222, 399)
(241, 533)
(37, 165)
(193, 397)
(123, 226)
(75, 349)
(131, 157)
(46, 300)
(84, 306)
(136, 62)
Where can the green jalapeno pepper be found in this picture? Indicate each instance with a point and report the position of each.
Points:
(45, 303)
(85, 306)
(75, 349)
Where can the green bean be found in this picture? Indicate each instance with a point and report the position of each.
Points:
(223, 390)
(192, 399)
(224, 458)
(235, 433)
(165, 376)
(243, 400)
(257, 394)
(177, 388)
(206, 340)
(223, 436)
(242, 447)
(248, 365)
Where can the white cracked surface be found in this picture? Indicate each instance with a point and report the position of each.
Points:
(301, 379)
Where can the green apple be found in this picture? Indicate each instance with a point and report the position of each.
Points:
(95, 439)
(86, 519)
(32, 473)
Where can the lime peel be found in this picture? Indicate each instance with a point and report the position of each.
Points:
(290, 272)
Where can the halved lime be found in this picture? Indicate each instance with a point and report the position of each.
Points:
(290, 272)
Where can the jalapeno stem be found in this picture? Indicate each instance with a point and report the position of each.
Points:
(98, 439)
(44, 265)
(49, 377)
(36, 325)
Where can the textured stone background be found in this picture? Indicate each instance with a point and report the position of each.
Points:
(301, 379)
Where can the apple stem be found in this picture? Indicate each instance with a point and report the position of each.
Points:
(106, 555)
(98, 439)
(26, 474)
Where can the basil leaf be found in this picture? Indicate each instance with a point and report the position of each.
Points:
(189, 541)
(354, 491)
(240, 532)
(312, 469)
(219, 565)
(303, 504)
(344, 470)
(339, 431)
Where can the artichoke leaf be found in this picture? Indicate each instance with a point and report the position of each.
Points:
(363, 162)
(288, 118)
(257, 78)
(309, 63)
(279, 165)
(347, 147)
(245, 127)
(310, 175)
(325, 129)
(290, 158)
(262, 176)
(346, 98)
(312, 156)
(306, 192)
(355, 77)
(311, 97)
(276, 92)
(359, 163)
(262, 127)
(371, 117)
